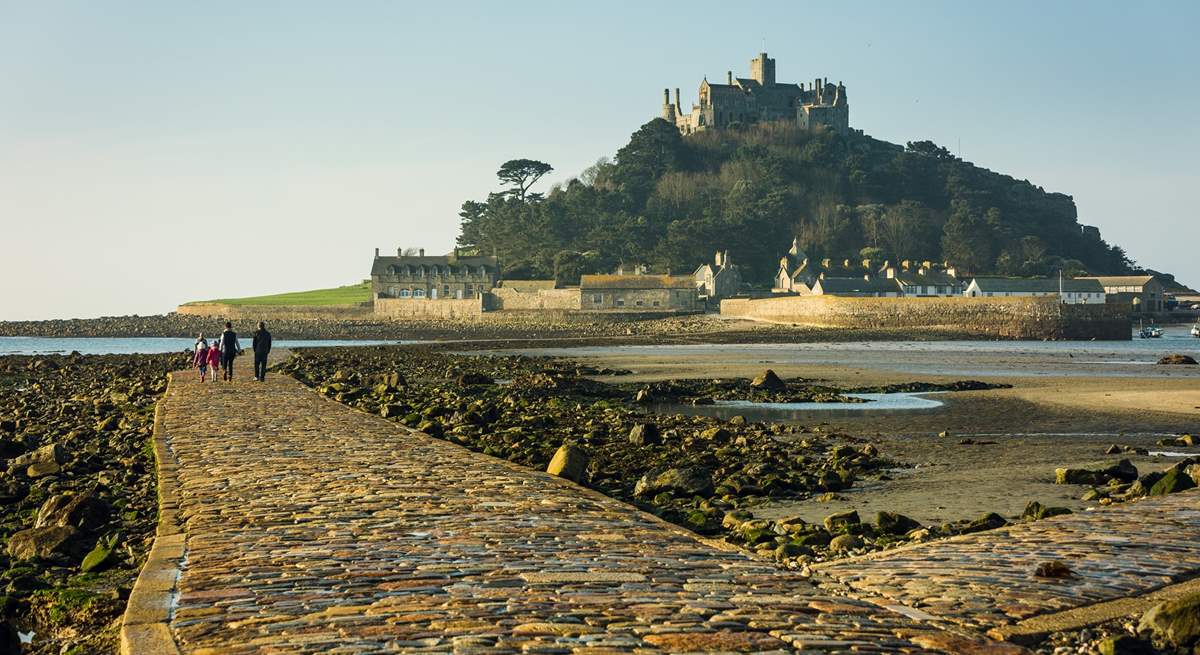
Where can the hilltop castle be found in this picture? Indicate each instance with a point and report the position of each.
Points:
(761, 98)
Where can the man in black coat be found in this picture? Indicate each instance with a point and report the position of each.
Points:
(262, 348)
(230, 348)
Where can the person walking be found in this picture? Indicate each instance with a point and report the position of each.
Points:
(261, 345)
(230, 348)
(200, 358)
(214, 358)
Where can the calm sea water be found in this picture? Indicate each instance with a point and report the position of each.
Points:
(130, 345)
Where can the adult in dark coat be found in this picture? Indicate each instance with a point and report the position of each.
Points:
(262, 348)
(230, 348)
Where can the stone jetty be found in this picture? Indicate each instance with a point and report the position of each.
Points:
(291, 523)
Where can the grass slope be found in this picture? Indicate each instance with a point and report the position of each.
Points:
(347, 295)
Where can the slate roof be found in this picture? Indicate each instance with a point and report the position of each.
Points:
(1122, 280)
(383, 265)
(636, 282)
(1037, 285)
(836, 285)
(527, 286)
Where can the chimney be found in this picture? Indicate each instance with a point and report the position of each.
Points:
(717, 259)
(399, 251)
(377, 252)
(421, 252)
(729, 78)
(678, 106)
(666, 97)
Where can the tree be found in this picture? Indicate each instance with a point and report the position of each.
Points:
(967, 239)
(522, 174)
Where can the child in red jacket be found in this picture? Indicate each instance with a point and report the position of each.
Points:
(201, 360)
(214, 360)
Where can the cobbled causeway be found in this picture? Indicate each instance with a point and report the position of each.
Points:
(293, 524)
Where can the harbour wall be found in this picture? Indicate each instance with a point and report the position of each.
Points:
(358, 312)
(1009, 318)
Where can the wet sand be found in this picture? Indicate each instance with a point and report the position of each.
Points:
(1066, 406)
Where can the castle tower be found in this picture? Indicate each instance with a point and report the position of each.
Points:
(762, 69)
(668, 110)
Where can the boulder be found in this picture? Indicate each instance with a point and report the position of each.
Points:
(691, 481)
(1177, 360)
(471, 378)
(845, 542)
(989, 521)
(570, 462)
(643, 397)
(841, 521)
(50, 454)
(895, 524)
(1181, 440)
(1123, 470)
(1036, 511)
(645, 434)
(10, 448)
(43, 543)
(1124, 645)
(1173, 480)
(99, 556)
(716, 435)
(1174, 623)
(768, 381)
(83, 511)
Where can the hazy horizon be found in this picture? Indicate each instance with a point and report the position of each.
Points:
(134, 138)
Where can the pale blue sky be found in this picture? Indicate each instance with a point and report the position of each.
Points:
(135, 135)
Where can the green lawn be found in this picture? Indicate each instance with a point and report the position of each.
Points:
(347, 295)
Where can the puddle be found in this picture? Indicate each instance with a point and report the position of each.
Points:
(878, 402)
(1170, 453)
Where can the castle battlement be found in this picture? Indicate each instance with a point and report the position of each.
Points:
(760, 98)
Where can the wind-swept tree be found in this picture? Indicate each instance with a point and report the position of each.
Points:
(522, 174)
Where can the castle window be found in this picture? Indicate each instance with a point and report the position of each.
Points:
(418, 293)
(404, 293)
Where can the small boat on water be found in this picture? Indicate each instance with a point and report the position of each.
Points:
(1196, 330)
(1151, 332)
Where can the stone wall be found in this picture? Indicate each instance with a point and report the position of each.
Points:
(278, 312)
(466, 308)
(1013, 318)
(543, 299)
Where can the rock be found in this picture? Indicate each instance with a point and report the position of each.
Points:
(8, 425)
(645, 434)
(845, 542)
(42, 457)
(1123, 470)
(10, 641)
(1173, 623)
(570, 462)
(1181, 440)
(43, 543)
(1113, 450)
(768, 381)
(1177, 360)
(691, 481)
(83, 511)
(1053, 569)
(840, 521)
(1124, 645)
(100, 555)
(944, 434)
(716, 435)
(989, 521)
(643, 397)
(896, 524)
(11, 491)
(1036, 511)
(471, 379)
(10, 448)
(1173, 480)
(391, 410)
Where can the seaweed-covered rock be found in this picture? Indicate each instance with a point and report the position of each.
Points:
(82, 510)
(691, 480)
(1173, 479)
(1035, 511)
(570, 462)
(841, 521)
(1177, 359)
(895, 524)
(645, 434)
(44, 543)
(1174, 623)
(768, 381)
(1123, 470)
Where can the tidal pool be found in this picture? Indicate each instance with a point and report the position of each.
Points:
(877, 402)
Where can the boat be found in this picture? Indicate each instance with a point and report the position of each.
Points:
(1151, 333)
(1196, 330)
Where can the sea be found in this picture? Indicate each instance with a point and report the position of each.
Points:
(140, 345)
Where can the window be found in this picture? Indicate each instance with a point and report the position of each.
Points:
(620, 302)
(404, 293)
(639, 303)
(597, 298)
(656, 303)
(418, 293)
(446, 290)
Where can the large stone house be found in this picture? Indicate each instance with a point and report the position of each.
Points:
(760, 98)
(1076, 291)
(434, 277)
(1140, 293)
(660, 293)
(720, 279)
(925, 279)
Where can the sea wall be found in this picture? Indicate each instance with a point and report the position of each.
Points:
(438, 308)
(1011, 318)
(278, 312)
(543, 299)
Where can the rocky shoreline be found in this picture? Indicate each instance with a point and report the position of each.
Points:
(518, 328)
(78, 507)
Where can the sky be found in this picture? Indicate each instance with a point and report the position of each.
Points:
(157, 153)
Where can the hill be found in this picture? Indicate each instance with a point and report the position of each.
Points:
(351, 294)
(671, 201)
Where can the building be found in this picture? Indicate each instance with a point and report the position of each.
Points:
(925, 280)
(759, 98)
(638, 292)
(441, 276)
(794, 275)
(856, 287)
(1074, 291)
(720, 279)
(1140, 293)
